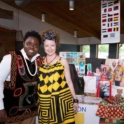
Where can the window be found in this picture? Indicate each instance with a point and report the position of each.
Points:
(103, 51)
(86, 49)
(121, 51)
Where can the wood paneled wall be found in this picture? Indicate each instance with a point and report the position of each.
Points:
(8, 42)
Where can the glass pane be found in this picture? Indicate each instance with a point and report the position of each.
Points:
(86, 50)
(121, 51)
(103, 51)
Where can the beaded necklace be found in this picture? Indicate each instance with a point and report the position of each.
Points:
(29, 69)
(50, 61)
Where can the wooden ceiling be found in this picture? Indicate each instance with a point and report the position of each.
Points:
(6, 14)
(85, 18)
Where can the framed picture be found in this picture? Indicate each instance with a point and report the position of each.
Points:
(117, 91)
(104, 89)
(90, 84)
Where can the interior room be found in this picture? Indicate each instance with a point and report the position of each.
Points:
(91, 32)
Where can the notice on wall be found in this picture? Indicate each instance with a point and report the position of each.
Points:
(76, 58)
(110, 21)
(90, 84)
(115, 90)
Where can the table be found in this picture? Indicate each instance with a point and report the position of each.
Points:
(87, 114)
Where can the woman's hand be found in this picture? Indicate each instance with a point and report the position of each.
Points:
(75, 107)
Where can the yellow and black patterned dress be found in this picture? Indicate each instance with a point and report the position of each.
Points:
(55, 100)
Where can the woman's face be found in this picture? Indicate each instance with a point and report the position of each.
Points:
(31, 46)
(49, 47)
(114, 64)
(104, 69)
(119, 91)
(97, 70)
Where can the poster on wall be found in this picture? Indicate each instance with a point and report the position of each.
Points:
(76, 58)
(89, 69)
(104, 89)
(110, 21)
(90, 84)
(116, 71)
(72, 58)
(117, 91)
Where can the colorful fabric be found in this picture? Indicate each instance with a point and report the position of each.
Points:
(110, 121)
(111, 72)
(19, 93)
(102, 121)
(118, 73)
(7, 84)
(111, 108)
(55, 99)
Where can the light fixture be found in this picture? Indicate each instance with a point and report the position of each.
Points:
(71, 4)
(43, 17)
(21, 3)
(75, 33)
(19, 34)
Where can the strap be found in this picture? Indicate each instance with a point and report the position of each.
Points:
(60, 58)
(39, 61)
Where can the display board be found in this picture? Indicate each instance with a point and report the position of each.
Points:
(76, 58)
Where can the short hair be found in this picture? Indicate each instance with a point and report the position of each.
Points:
(32, 34)
(50, 35)
(97, 68)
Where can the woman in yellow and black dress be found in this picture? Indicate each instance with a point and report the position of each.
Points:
(56, 95)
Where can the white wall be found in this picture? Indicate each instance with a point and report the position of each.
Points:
(122, 38)
(93, 40)
(88, 41)
(28, 22)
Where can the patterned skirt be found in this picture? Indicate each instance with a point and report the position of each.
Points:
(56, 109)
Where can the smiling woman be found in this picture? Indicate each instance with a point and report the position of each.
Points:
(31, 44)
(19, 77)
(55, 86)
